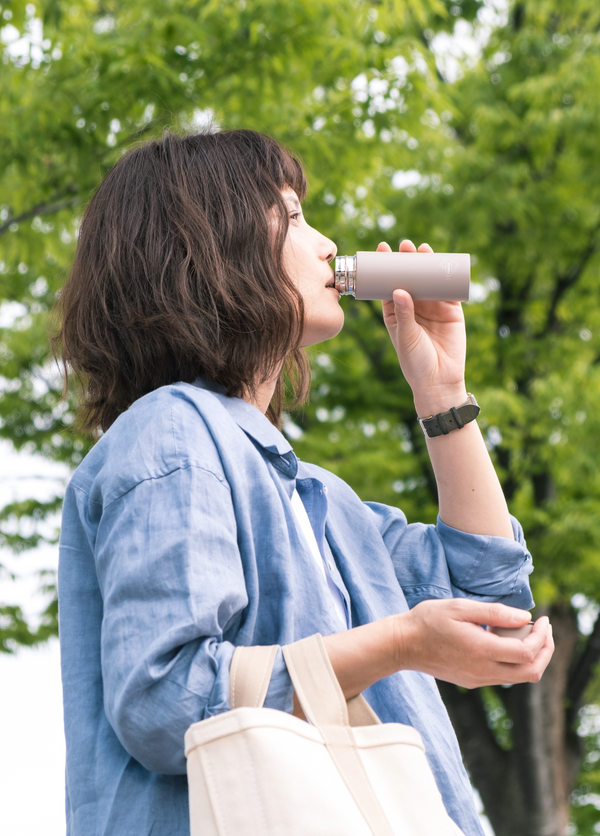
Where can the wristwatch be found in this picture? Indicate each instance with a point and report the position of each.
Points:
(455, 419)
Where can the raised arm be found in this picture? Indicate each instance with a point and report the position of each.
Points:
(430, 340)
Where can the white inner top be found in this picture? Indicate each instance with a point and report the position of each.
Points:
(337, 598)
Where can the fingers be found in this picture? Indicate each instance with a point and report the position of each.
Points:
(503, 673)
(403, 315)
(516, 651)
(538, 637)
(494, 614)
(542, 625)
(535, 641)
(407, 246)
(505, 661)
(506, 650)
(448, 642)
(389, 313)
(540, 641)
(404, 302)
(531, 672)
(526, 663)
(543, 658)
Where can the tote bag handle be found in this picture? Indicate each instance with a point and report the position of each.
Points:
(325, 707)
(250, 674)
(318, 690)
(251, 670)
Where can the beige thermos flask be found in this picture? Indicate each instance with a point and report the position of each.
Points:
(443, 277)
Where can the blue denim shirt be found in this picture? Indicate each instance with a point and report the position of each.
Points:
(178, 543)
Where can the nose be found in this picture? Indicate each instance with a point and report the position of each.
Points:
(328, 248)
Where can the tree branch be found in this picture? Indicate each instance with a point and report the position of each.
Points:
(55, 204)
(564, 283)
(41, 209)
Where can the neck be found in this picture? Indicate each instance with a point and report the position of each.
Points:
(263, 394)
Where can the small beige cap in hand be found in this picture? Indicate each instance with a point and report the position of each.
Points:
(513, 632)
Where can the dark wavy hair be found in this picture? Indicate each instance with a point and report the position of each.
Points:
(178, 273)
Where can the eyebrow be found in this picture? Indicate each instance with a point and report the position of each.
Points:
(293, 202)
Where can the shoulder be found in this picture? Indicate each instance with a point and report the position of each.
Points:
(166, 430)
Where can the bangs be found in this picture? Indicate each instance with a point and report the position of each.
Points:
(271, 165)
(286, 171)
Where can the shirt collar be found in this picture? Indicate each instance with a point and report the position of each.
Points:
(257, 426)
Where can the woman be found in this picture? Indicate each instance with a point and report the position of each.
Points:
(191, 527)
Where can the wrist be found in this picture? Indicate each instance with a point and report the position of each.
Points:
(403, 640)
(363, 655)
(434, 400)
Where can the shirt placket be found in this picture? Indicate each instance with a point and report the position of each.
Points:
(313, 494)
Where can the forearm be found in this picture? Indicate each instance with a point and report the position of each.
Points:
(470, 495)
(363, 655)
(430, 340)
(443, 639)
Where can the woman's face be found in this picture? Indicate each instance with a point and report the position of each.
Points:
(306, 257)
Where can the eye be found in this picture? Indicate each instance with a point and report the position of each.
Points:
(295, 216)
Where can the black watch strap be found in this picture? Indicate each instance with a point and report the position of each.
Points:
(455, 419)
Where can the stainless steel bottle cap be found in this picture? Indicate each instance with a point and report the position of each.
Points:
(345, 275)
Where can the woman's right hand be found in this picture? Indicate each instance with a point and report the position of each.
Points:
(442, 638)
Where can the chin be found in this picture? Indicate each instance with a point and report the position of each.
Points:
(319, 333)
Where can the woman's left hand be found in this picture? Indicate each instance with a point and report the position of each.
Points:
(430, 340)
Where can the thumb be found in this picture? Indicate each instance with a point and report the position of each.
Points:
(493, 614)
(404, 312)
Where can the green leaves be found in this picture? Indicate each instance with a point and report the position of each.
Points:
(82, 81)
(502, 163)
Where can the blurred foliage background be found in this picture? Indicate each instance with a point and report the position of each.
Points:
(471, 125)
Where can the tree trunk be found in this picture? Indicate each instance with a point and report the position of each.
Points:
(525, 789)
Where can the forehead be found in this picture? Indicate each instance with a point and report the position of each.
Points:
(290, 197)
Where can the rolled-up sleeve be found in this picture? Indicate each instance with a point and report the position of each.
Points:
(488, 568)
(443, 562)
(172, 582)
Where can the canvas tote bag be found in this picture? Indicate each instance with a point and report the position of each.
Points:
(255, 771)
